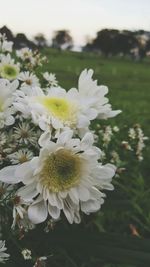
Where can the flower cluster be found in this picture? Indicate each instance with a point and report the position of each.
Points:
(120, 144)
(50, 166)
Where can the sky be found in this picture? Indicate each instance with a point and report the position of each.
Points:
(82, 17)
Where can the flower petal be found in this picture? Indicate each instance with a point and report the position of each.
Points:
(7, 175)
(37, 212)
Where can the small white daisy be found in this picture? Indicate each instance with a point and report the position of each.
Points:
(20, 156)
(51, 78)
(24, 133)
(28, 79)
(3, 256)
(24, 53)
(27, 254)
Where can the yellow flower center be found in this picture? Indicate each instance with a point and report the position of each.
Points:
(60, 108)
(61, 171)
(8, 71)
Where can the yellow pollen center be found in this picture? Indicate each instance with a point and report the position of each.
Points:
(61, 171)
(28, 81)
(60, 108)
(8, 71)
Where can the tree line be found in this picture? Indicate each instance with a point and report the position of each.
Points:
(107, 41)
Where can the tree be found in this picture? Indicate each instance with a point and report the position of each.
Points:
(22, 41)
(7, 32)
(112, 42)
(62, 40)
(40, 40)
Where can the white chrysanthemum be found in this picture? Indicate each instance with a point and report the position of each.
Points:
(51, 78)
(93, 96)
(65, 177)
(24, 53)
(3, 256)
(57, 109)
(8, 69)
(28, 79)
(6, 98)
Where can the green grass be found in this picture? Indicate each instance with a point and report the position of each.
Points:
(129, 90)
(128, 81)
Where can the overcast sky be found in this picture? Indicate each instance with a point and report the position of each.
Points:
(82, 17)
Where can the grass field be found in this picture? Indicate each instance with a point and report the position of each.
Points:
(128, 81)
(129, 90)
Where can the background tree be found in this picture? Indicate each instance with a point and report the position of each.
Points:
(7, 32)
(112, 42)
(40, 40)
(22, 41)
(62, 39)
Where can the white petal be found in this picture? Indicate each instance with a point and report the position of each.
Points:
(27, 192)
(74, 195)
(83, 193)
(44, 138)
(9, 120)
(90, 206)
(37, 213)
(64, 137)
(83, 121)
(55, 200)
(25, 172)
(54, 212)
(7, 175)
(87, 141)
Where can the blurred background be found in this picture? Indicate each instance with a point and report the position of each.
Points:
(105, 26)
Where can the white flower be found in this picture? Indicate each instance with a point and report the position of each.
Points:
(5, 46)
(28, 79)
(20, 156)
(132, 133)
(51, 78)
(26, 253)
(93, 96)
(140, 145)
(18, 210)
(107, 135)
(3, 256)
(116, 129)
(66, 176)
(58, 109)
(25, 133)
(115, 157)
(55, 110)
(8, 69)
(6, 98)
(24, 53)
